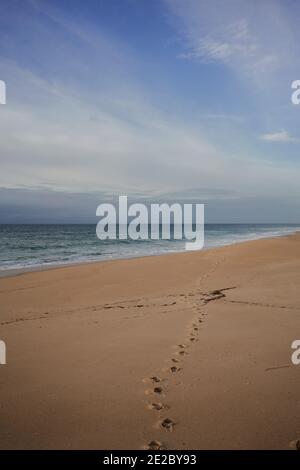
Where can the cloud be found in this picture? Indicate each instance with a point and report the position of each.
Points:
(230, 41)
(74, 140)
(282, 137)
(235, 33)
(47, 206)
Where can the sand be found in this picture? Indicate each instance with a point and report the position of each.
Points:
(183, 351)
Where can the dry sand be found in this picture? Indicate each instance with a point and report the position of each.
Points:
(90, 350)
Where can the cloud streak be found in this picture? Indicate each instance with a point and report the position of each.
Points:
(282, 137)
(255, 39)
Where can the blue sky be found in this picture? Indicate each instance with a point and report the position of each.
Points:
(169, 99)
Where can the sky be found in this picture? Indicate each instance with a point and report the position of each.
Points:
(161, 100)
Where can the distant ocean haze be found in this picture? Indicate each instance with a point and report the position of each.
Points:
(36, 246)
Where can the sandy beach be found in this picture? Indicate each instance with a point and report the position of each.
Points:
(183, 351)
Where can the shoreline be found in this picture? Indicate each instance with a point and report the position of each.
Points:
(188, 351)
(5, 273)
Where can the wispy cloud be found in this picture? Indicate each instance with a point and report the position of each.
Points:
(254, 38)
(224, 44)
(282, 137)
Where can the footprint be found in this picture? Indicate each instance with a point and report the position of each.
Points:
(158, 390)
(155, 379)
(156, 406)
(175, 369)
(174, 360)
(168, 424)
(152, 380)
(154, 445)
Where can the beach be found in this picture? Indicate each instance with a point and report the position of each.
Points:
(180, 351)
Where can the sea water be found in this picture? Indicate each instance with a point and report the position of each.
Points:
(38, 246)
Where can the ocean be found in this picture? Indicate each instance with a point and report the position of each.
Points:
(39, 246)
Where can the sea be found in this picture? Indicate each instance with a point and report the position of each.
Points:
(30, 247)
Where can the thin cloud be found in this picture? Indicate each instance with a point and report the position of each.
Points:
(282, 137)
(235, 33)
